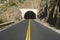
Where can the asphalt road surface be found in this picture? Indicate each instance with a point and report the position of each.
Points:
(37, 32)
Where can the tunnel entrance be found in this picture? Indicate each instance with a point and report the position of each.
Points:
(30, 15)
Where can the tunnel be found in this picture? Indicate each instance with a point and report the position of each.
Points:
(30, 15)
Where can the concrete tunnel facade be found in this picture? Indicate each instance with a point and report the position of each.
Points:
(29, 13)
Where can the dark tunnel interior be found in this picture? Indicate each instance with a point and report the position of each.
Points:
(30, 15)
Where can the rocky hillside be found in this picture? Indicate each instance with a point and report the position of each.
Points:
(12, 13)
(50, 12)
(11, 8)
(33, 4)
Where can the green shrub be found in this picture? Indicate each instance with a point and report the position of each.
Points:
(1, 21)
(12, 3)
(3, 8)
(21, 1)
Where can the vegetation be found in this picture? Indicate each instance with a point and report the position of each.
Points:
(7, 4)
(12, 3)
(1, 21)
(3, 8)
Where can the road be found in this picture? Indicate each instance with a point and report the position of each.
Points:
(37, 32)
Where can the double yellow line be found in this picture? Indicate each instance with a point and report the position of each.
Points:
(28, 31)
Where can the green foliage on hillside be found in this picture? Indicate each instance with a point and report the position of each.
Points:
(3, 7)
(1, 21)
(6, 4)
(12, 3)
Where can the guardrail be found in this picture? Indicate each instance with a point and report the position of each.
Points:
(6, 23)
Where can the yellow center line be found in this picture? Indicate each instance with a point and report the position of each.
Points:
(28, 31)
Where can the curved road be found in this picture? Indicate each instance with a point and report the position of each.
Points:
(37, 32)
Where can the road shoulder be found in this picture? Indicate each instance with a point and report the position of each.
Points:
(47, 25)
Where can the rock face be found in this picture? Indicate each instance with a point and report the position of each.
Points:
(50, 11)
(12, 13)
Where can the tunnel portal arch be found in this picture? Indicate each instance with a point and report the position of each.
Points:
(30, 15)
(24, 11)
